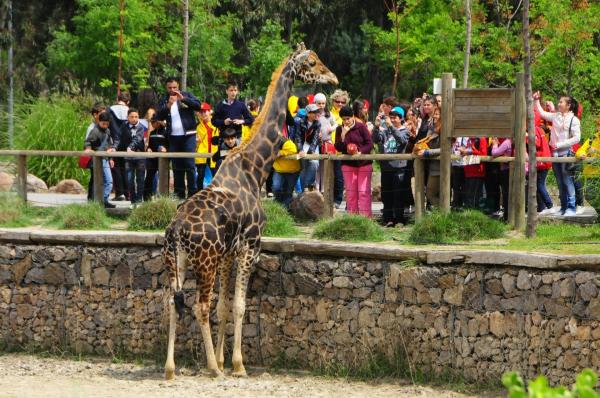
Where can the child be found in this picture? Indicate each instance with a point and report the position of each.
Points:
(591, 148)
(474, 173)
(285, 175)
(204, 138)
(229, 140)
(100, 139)
(157, 142)
(132, 140)
(97, 109)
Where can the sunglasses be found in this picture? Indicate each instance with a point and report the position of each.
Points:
(339, 102)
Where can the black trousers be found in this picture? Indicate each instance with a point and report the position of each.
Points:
(120, 178)
(473, 192)
(151, 171)
(503, 176)
(395, 186)
(457, 182)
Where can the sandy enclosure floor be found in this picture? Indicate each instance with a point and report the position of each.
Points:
(28, 376)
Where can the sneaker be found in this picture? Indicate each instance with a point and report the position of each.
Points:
(269, 194)
(546, 212)
(108, 205)
(337, 205)
(580, 210)
(119, 198)
(569, 213)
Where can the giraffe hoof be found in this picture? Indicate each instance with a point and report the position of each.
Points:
(169, 374)
(220, 365)
(216, 373)
(239, 373)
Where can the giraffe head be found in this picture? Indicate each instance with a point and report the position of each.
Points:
(309, 67)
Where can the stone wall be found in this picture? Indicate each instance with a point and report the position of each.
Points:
(479, 319)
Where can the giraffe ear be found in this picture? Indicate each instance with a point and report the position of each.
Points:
(302, 56)
(300, 47)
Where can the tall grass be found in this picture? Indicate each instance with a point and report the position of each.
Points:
(80, 216)
(53, 123)
(279, 222)
(455, 227)
(153, 215)
(349, 227)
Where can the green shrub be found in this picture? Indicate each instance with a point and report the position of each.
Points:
(80, 216)
(55, 123)
(585, 384)
(153, 215)
(455, 227)
(279, 221)
(349, 227)
(11, 209)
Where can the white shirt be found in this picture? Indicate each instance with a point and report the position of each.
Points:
(89, 129)
(176, 124)
(560, 137)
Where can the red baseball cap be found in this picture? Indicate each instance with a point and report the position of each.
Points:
(205, 107)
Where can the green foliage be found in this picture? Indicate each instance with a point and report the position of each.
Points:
(53, 123)
(267, 52)
(279, 221)
(584, 387)
(80, 216)
(153, 215)
(349, 227)
(468, 225)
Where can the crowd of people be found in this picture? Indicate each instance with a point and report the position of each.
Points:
(316, 124)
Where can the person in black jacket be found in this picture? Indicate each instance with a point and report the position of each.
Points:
(99, 139)
(307, 141)
(157, 142)
(132, 140)
(177, 108)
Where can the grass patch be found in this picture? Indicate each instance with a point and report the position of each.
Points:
(79, 216)
(455, 227)
(279, 221)
(349, 227)
(561, 237)
(153, 215)
(14, 213)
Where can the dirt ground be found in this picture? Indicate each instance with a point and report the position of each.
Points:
(28, 376)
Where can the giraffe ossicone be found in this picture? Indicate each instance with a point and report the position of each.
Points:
(222, 224)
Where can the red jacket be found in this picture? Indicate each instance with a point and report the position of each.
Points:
(542, 149)
(478, 146)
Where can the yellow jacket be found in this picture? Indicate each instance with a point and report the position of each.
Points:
(287, 165)
(246, 129)
(590, 170)
(202, 143)
(338, 120)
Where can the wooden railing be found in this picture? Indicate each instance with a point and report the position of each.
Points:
(328, 175)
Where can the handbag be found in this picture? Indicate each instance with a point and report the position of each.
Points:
(423, 144)
(84, 162)
(327, 148)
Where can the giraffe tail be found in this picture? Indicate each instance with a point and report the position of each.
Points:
(179, 299)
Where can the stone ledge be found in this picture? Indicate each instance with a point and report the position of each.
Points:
(314, 247)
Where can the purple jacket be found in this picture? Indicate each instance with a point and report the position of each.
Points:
(359, 134)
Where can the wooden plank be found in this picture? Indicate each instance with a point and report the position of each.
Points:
(482, 124)
(163, 176)
(446, 142)
(491, 132)
(328, 188)
(484, 101)
(518, 200)
(22, 177)
(483, 92)
(491, 116)
(482, 108)
(419, 166)
(98, 179)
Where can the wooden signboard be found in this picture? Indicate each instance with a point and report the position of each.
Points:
(483, 112)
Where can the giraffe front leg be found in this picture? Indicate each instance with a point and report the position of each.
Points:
(223, 308)
(239, 308)
(170, 364)
(202, 311)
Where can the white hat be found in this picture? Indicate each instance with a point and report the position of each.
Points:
(312, 108)
(320, 97)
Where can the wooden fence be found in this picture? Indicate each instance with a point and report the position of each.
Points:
(163, 169)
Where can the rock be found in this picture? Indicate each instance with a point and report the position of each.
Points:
(454, 295)
(21, 268)
(594, 308)
(35, 184)
(307, 284)
(493, 286)
(268, 263)
(497, 324)
(524, 280)
(570, 361)
(567, 288)
(342, 282)
(154, 265)
(54, 274)
(308, 206)
(24, 311)
(588, 290)
(101, 276)
(6, 181)
(508, 282)
(121, 277)
(70, 186)
(322, 311)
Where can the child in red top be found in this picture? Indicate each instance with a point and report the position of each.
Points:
(474, 173)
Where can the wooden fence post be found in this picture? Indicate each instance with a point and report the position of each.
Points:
(163, 176)
(419, 166)
(98, 179)
(22, 177)
(328, 183)
(518, 199)
(445, 142)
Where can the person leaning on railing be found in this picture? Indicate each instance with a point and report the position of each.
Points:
(565, 132)
(591, 172)
(100, 139)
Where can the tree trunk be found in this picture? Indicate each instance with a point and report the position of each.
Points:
(532, 187)
(186, 41)
(11, 88)
(121, 31)
(397, 63)
(465, 83)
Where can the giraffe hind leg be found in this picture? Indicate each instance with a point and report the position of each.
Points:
(223, 307)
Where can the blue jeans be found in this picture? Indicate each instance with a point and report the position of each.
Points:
(108, 181)
(544, 201)
(566, 186)
(283, 187)
(308, 175)
(184, 169)
(136, 171)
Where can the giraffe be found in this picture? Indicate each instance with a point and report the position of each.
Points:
(222, 224)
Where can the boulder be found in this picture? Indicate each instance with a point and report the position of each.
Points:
(70, 186)
(6, 181)
(308, 206)
(35, 184)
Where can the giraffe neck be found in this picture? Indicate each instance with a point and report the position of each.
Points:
(262, 149)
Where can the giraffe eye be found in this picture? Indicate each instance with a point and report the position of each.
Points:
(312, 62)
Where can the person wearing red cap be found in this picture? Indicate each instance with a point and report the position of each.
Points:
(204, 137)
